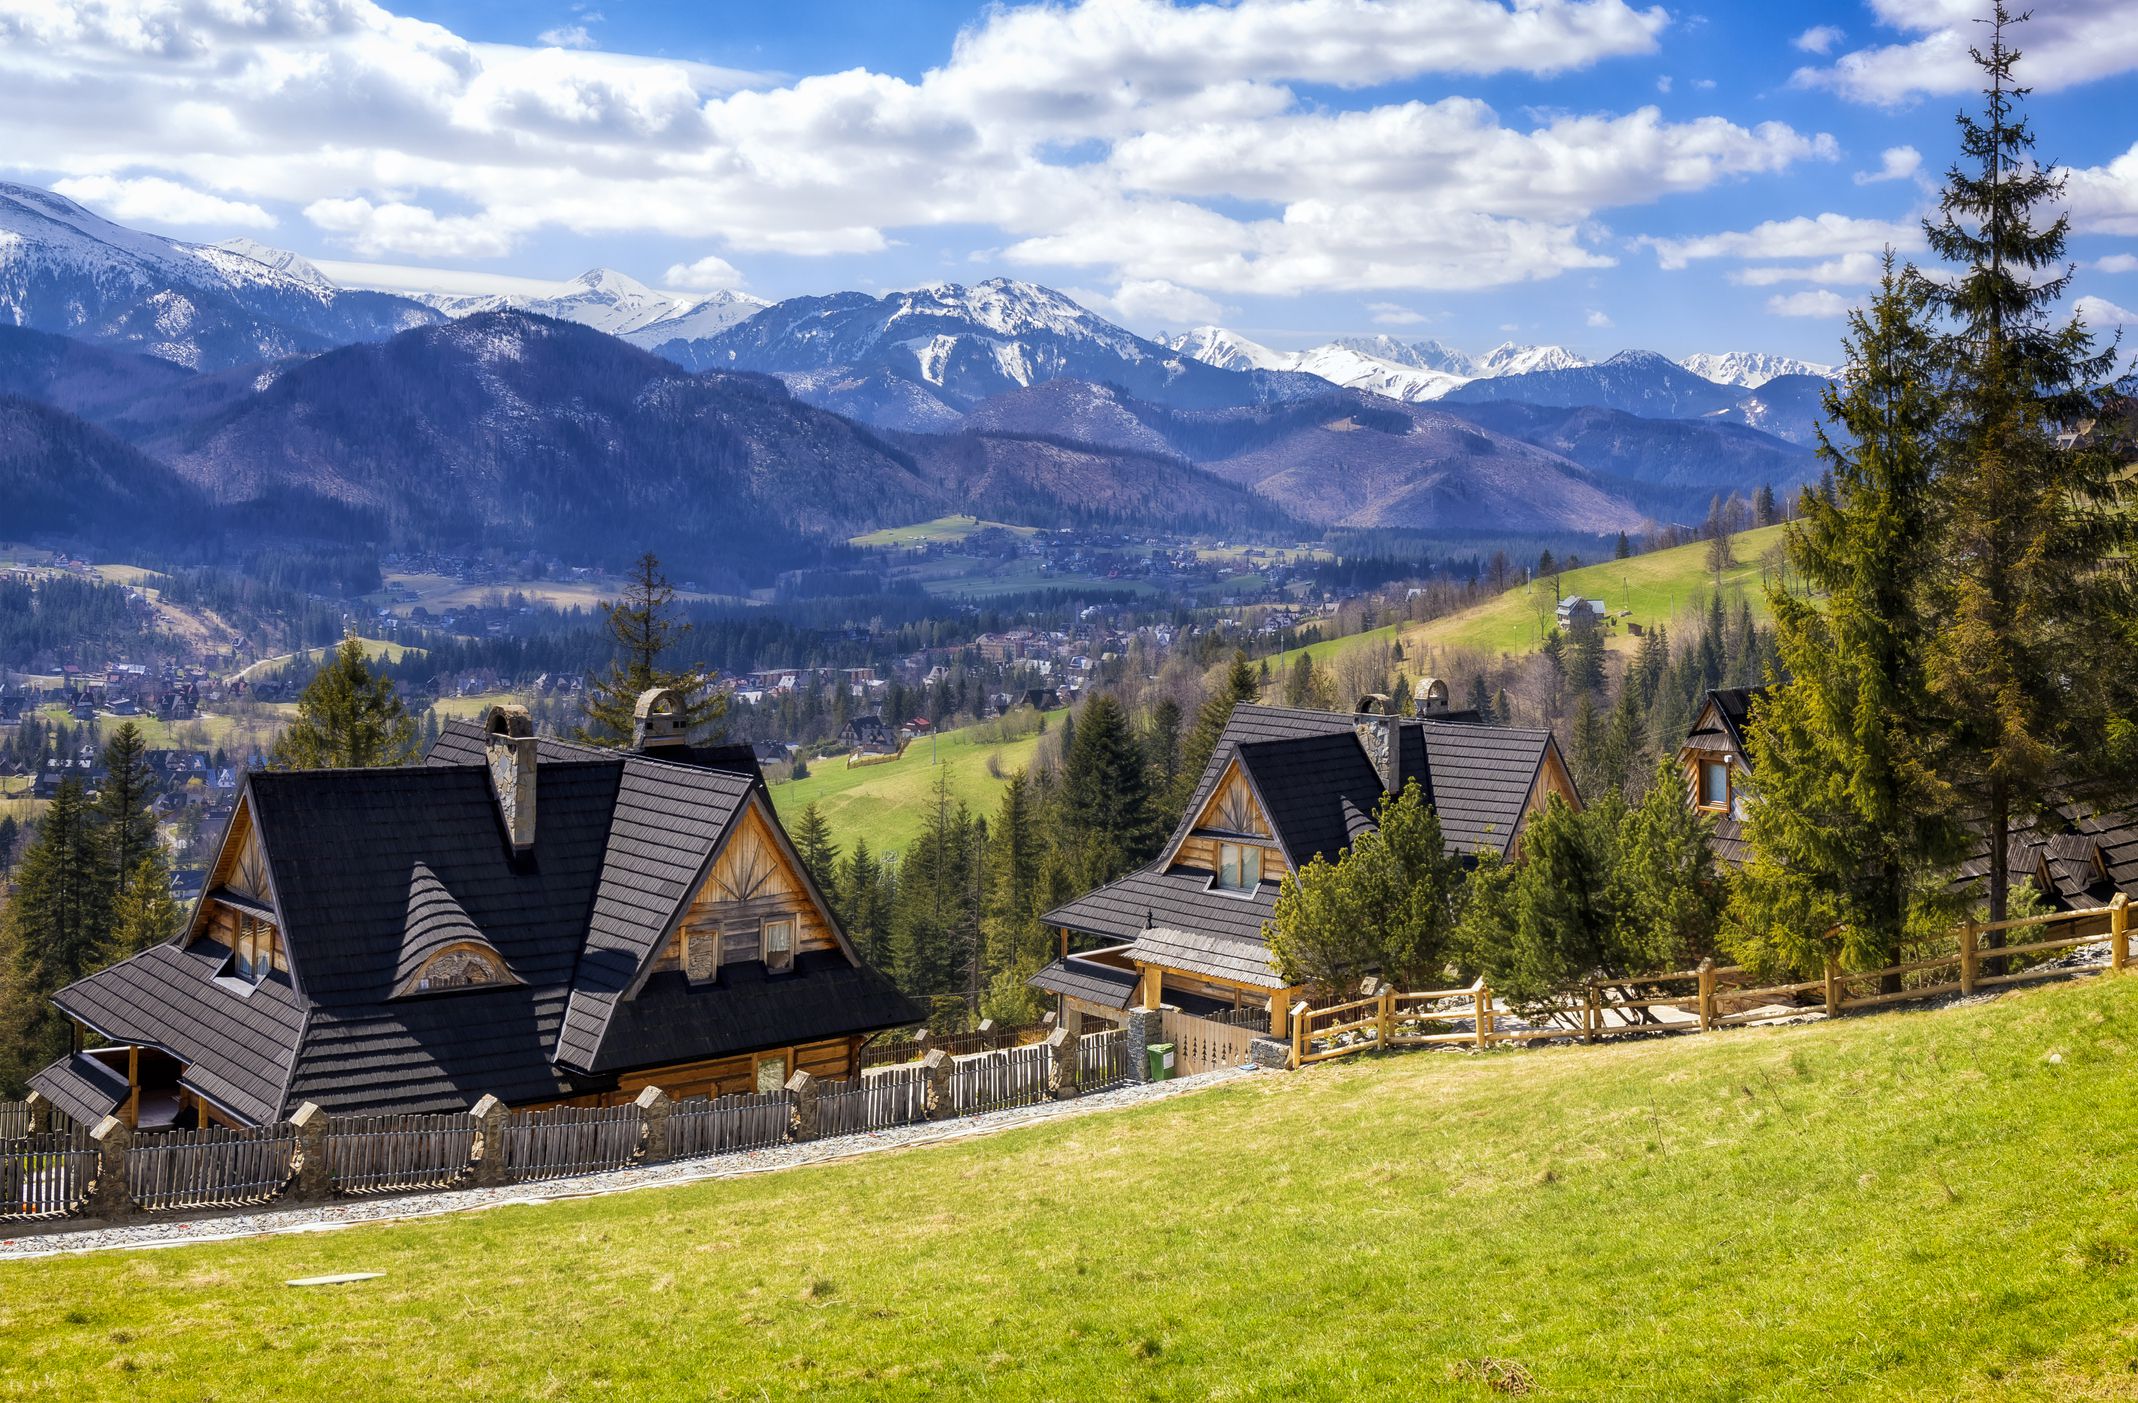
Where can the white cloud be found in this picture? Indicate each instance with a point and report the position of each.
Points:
(1154, 302)
(1597, 319)
(566, 36)
(2117, 263)
(2099, 313)
(1819, 39)
(406, 228)
(708, 274)
(1195, 166)
(2104, 199)
(1808, 304)
(1895, 163)
(1394, 314)
(2064, 45)
(1823, 236)
(156, 201)
(1662, 84)
(1849, 270)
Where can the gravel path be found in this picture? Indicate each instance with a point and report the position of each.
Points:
(326, 1217)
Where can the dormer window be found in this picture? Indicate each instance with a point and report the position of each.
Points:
(1715, 784)
(252, 953)
(778, 943)
(460, 969)
(1239, 867)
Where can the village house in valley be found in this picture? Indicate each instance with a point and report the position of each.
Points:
(532, 919)
(1185, 931)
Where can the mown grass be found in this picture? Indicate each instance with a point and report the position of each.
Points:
(889, 802)
(1934, 1205)
(943, 528)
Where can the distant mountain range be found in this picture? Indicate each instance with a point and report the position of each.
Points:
(603, 416)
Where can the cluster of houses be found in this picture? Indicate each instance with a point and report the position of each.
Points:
(556, 924)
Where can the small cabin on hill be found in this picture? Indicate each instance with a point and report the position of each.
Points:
(1713, 758)
(868, 735)
(1185, 930)
(533, 919)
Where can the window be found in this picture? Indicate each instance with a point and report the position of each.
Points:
(779, 943)
(253, 953)
(1714, 784)
(1239, 867)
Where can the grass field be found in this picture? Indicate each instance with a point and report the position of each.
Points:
(374, 649)
(942, 529)
(1926, 1205)
(887, 803)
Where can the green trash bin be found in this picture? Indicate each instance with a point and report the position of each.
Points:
(1161, 1061)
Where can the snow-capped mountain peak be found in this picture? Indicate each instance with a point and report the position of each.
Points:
(280, 259)
(1508, 358)
(1750, 369)
(1419, 355)
(1227, 350)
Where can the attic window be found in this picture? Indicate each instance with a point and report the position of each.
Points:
(252, 950)
(1239, 867)
(779, 943)
(459, 968)
(1714, 784)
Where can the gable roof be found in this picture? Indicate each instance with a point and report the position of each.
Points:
(1720, 726)
(436, 922)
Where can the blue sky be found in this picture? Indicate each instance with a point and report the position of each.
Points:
(1591, 172)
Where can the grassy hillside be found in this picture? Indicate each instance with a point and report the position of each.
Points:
(887, 803)
(1653, 586)
(1933, 1205)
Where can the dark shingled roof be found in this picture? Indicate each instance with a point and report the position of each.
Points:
(1320, 791)
(238, 1044)
(1225, 957)
(1108, 986)
(1122, 909)
(1481, 779)
(83, 1087)
(1724, 735)
(375, 870)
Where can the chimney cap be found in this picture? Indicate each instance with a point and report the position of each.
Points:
(508, 720)
(1431, 698)
(659, 716)
(1372, 704)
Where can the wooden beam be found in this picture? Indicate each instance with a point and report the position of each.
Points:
(133, 1084)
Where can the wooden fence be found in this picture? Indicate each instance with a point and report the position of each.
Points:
(45, 1175)
(991, 1081)
(399, 1153)
(1206, 1044)
(725, 1124)
(1101, 1061)
(985, 1038)
(14, 1119)
(211, 1167)
(873, 1101)
(568, 1140)
(1960, 961)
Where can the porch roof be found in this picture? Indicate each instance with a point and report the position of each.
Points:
(82, 1086)
(1226, 959)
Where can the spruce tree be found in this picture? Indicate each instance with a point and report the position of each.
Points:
(347, 717)
(144, 912)
(57, 925)
(1238, 688)
(1161, 741)
(645, 632)
(2034, 601)
(813, 844)
(10, 839)
(1851, 834)
(1106, 799)
(122, 804)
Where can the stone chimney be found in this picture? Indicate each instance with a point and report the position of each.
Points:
(1431, 698)
(509, 749)
(1378, 740)
(659, 720)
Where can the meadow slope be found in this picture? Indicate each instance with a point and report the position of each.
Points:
(1933, 1204)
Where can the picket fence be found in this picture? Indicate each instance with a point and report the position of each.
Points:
(211, 1167)
(876, 1101)
(567, 1140)
(1959, 961)
(399, 1153)
(993, 1081)
(45, 1174)
(721, 1125)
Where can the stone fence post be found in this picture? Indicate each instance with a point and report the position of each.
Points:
(40, 1113)
(1145, 1026)
(314, 1180)
(923, 1043)
(112, 1196)
(490, 1116)
(936, 1068)
(653, 1105)
(1061, 1065)
(805, 1089)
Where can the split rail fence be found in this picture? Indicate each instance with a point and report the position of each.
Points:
(1968, 958)
(52, 1169)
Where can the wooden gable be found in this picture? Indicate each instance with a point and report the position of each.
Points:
(1233, 810)
(240, 867)
(755, 876)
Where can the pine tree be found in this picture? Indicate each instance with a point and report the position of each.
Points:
(346, 718)
(122, 804)
(1106, 800)
(1850, 833)
(1161, 744)
(1237, 689)
(1764, 510)
(1016, 941)
(10, 839)
(2034, 603)
(645, 631)
(819, 854)
(862, 904)
(144, 913)
(1624, 548)
(57, 924)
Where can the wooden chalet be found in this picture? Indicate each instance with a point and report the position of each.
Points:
(527, 918)
(1186, 930)
(2076, 858)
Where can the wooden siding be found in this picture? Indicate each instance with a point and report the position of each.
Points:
(1232, 807)
(751, 882)
(1200, 853)
(241, 865)
(836, 1059)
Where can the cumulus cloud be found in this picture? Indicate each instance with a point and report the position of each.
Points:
(1819, 39)
(1597, 319)
(1850, 269)
(566, 36)
(1895, 163)
(1808, 304)
(1394, 314)
(708, 274)
(1158, 143)
(1154, 302)
(2100, 314)
(1821, 236)
(2064, 45)
(155, 201)
(2117, 263)
(2104, 199)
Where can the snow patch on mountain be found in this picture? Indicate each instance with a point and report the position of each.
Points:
(1380, 365)
(1227, 350)
(1508, 358)
(1750, 369)
(280, 259)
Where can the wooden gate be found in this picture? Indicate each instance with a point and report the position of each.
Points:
(1204, 1044)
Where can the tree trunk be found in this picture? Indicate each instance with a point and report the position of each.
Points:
(2000, 817)
(1890, 983)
